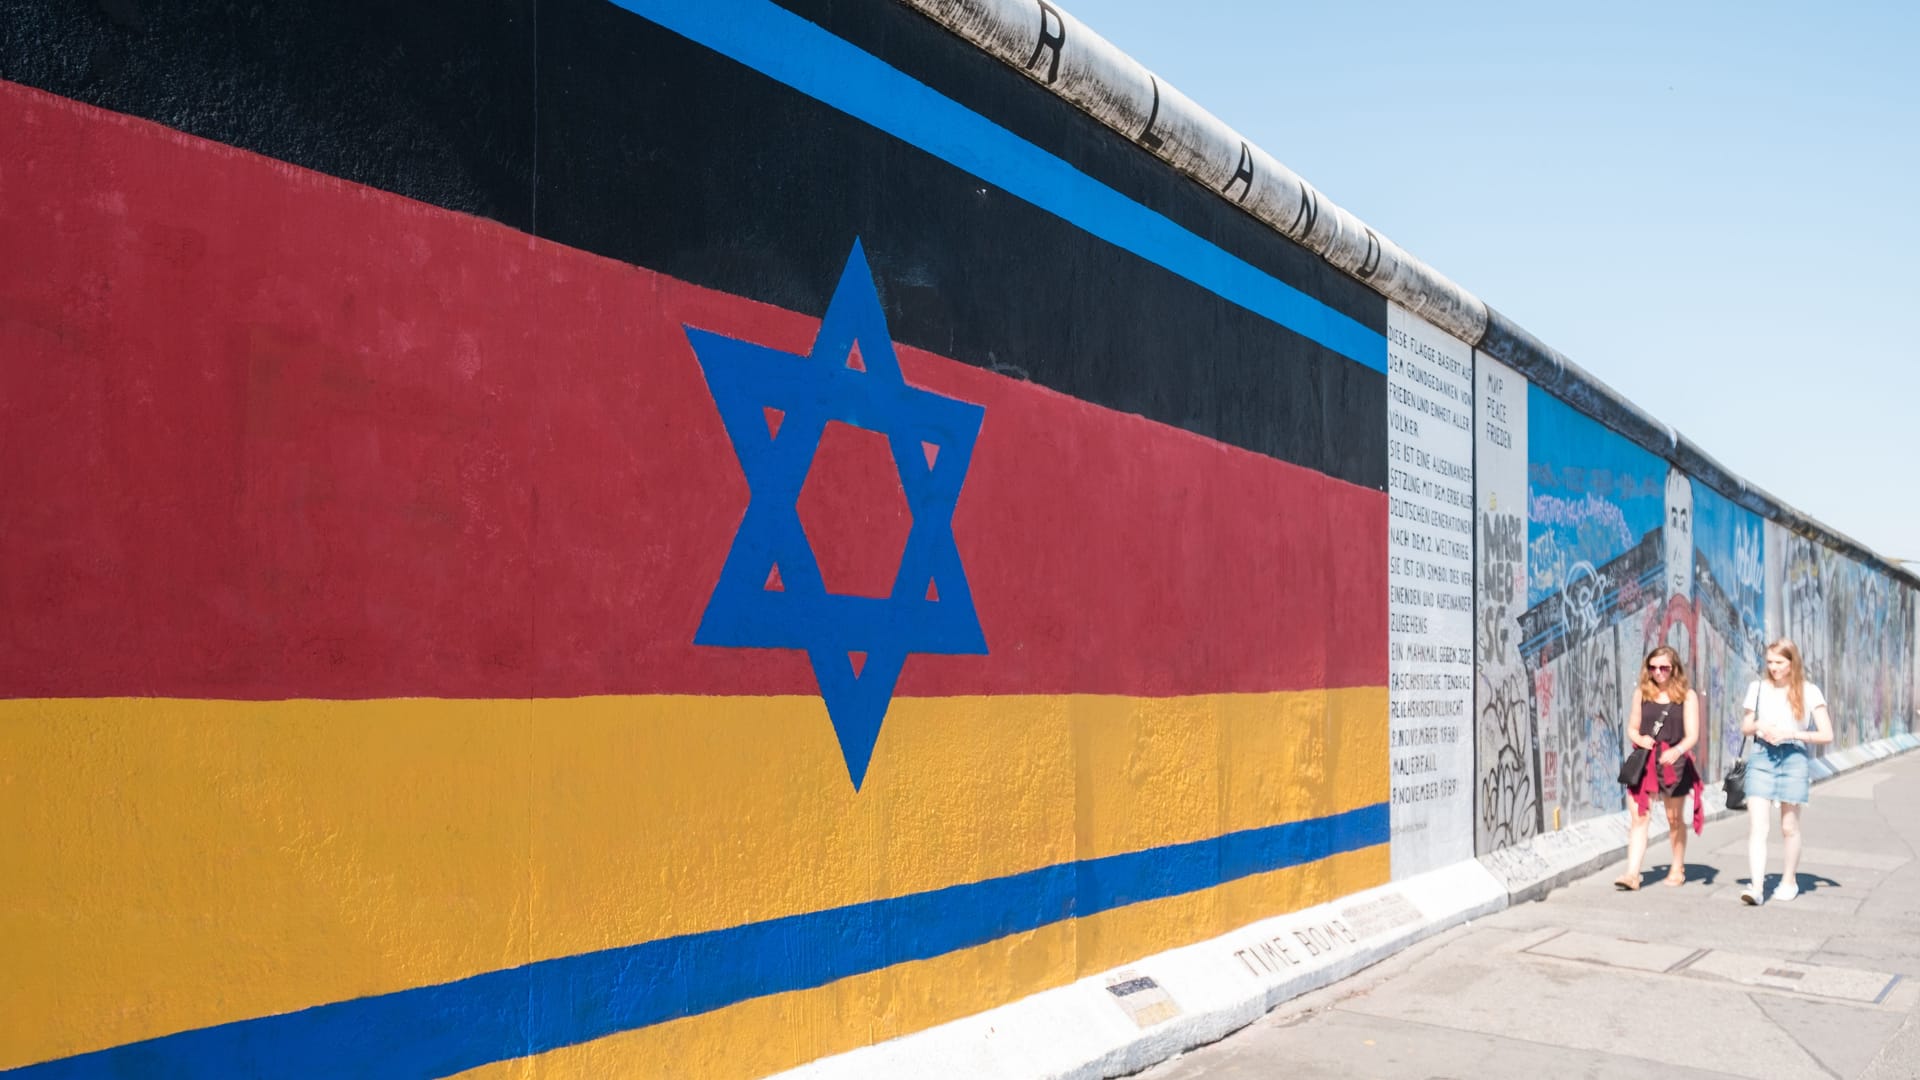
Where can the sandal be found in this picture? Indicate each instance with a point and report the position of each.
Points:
(1630, 883)
(1677, 878)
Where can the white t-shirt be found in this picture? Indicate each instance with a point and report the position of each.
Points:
(1771, 708)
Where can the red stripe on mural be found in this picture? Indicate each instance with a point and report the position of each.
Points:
(268, 434)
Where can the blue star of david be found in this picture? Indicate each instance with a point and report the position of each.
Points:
(930, 609)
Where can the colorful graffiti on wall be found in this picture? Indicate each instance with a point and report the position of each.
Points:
(1622, 553)
(1507, 808)
(1855, 631)
(1729, 595)
(1597, 507)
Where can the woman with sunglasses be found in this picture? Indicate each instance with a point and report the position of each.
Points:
(1776, 714)
(1666, 724)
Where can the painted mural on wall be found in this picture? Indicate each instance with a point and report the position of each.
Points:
(729, 625)
(1597, 510)
(1855, 630)
(1729, 596)
(1622, 553)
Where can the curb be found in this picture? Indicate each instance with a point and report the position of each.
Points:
(1130, 1018)
(1125, 1020)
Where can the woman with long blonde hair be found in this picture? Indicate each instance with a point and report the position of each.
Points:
(1665, 722)
(1777, 714)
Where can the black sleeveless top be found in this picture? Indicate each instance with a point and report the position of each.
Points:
(1665, 723)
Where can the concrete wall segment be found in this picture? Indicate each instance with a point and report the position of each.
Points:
(298, 519)
(1045, 42)
(1552, 371)
(360, 544)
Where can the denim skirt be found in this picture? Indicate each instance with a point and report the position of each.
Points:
(1779, 773)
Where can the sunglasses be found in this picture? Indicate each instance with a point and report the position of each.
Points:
(1659, 667)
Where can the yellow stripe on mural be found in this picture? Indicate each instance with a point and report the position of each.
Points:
(782, 1031)
(180, 864)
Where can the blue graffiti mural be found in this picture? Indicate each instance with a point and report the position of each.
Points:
(1626, 553)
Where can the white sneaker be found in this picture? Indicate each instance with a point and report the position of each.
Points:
(1751, 897)
(1785, 892)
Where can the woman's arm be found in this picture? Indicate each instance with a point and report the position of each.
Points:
(1749, 724)
(1690, 715)
(1822, 727)
(1633, 725)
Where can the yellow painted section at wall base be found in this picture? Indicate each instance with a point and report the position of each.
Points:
(781, 1031)
(179, 864)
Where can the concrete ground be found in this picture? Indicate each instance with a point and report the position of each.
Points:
(1680, 982)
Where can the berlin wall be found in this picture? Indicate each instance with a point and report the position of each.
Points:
(687, 538)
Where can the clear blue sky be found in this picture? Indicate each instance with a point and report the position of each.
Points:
(1714, 208)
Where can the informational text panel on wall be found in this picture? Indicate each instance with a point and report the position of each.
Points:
(1429, 593)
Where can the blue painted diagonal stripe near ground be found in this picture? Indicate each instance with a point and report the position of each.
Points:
(790, 50)
(432, 1031)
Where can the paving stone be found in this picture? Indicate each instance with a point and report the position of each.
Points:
(1614, 952)
(1814, 980)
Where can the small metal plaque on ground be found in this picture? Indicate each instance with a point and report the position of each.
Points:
(1146, 1001)
(1813, 980)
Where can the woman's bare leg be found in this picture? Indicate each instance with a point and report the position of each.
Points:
(1636, 842)
(1759, 820)
(1677, 836)
(1790, 844)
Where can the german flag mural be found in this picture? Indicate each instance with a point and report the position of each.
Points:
(660, 538)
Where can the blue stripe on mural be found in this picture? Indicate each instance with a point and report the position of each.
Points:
(501, 1015)
(790, 50)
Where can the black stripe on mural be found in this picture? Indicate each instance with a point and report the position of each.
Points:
(659, 152)
(434, 100)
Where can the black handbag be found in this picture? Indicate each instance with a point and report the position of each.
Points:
(1635, 767)
(1735, 785)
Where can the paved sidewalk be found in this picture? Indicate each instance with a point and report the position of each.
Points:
(1682, 982)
